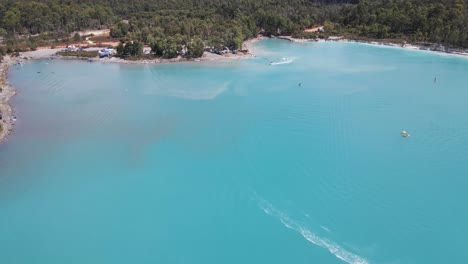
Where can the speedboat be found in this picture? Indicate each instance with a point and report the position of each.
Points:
(405, 134)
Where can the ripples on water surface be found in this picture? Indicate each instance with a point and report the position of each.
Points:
(233, 162)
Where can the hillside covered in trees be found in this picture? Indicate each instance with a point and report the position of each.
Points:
(170, 25)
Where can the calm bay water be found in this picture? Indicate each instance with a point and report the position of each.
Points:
(233, 162)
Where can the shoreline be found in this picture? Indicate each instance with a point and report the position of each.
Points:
(437, 49)
(207, 56)
(441, 50)
(246, 47)
(7, 91)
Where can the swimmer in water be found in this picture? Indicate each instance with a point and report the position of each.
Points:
(435, 79)
(300, 84)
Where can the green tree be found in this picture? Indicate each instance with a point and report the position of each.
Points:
(195, 48)
(11, 20)
(120, 49)
(158, 47)
(77, 37)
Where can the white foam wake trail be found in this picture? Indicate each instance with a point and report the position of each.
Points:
(283, 61)
(331, 246)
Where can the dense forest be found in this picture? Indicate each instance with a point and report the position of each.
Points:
(170, 26)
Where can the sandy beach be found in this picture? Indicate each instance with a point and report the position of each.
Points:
(248, 43)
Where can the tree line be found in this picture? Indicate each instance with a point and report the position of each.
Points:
(442, 22)
(172, 27)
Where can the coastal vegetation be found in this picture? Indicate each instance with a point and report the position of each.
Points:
(187, 27)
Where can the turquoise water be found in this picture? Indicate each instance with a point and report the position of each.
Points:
(233, 162)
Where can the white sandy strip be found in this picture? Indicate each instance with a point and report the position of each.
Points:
(331, 246)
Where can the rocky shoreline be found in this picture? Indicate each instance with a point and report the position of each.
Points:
(7, 119)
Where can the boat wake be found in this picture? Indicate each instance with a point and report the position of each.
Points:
(282, 61)
(331, 246)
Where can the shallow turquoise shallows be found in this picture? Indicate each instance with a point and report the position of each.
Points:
(243, 161)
